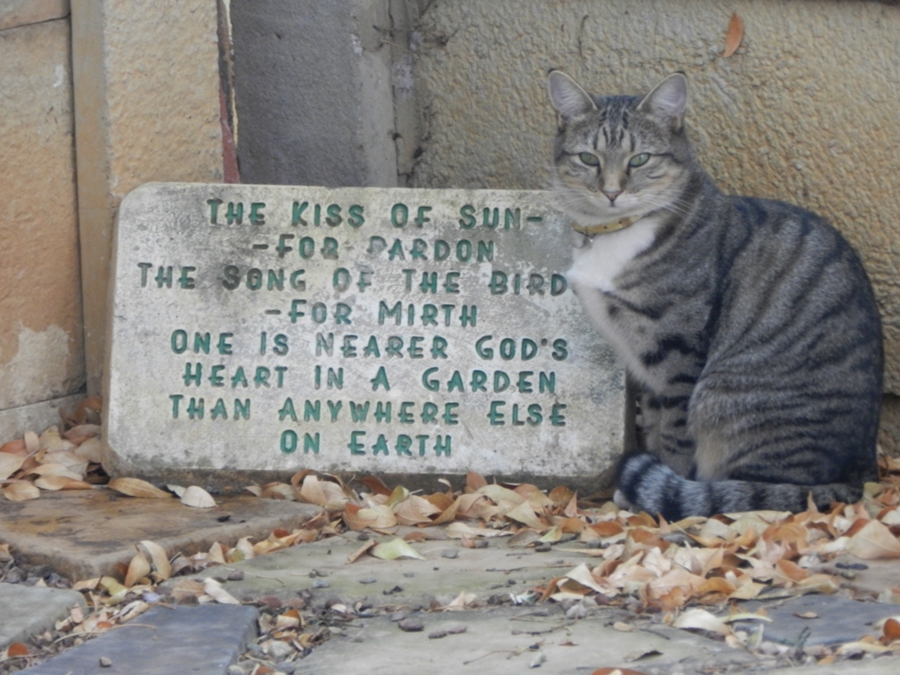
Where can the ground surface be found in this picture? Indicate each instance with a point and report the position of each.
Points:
(309, 609)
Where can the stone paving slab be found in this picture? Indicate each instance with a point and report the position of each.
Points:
(837, 619)
(84, 534)
(514, 640)
(29, 610)
(322, 568)
(202, 640)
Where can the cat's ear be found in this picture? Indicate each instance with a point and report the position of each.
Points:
(668, 100)
(570, 100)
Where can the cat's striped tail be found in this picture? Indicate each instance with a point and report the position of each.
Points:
(645, 483)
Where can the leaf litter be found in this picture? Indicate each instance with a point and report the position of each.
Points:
(689, 574)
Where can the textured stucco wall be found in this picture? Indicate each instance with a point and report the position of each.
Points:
(41, 351)
(806, 111)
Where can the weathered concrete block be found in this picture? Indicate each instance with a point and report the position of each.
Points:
(30, 610)
(203, 640)
(262, 328)
(40, 304)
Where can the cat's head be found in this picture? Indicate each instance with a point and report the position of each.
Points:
(619, 156)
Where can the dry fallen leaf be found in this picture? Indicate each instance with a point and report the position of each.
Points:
(397, 548)
(135, 487)
(734, 35)
(197, 497)
(159, 558)
(17, 649)
(61, 483)
(700, 618)
(873, 542)
(137, 569)
(214, 590)
(20, 492)
(9, 464)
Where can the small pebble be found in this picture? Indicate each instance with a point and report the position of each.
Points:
(279, 650)
(510, 582)
(543, 547)
(851, 566)
(409, 575)
(105, 662)
(481, 543)
(368, 580)
(15, 576)
(576, 611)
(235, 575)
(270, 601)
(362, 536)
(399, 615)
(450, 553)
(411, 625)
(320, 583)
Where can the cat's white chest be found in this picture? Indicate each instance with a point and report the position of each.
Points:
(596, 264)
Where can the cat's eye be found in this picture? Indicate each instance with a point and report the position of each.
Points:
(589, 159)
(639, 160)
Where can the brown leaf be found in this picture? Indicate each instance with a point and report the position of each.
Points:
(15, 447)
(32, 442)
(61, 483)
(734, 35)
(475, 481)
(9, 464)
(198, 498)
(137, 569)
(353, 557)
(561, 496)
(874, 541)
(159, 558)
(415, 510)
(376, 485)
(21, 491)
(791, 571)
(890, 631)
(135, 487)
(17, 649)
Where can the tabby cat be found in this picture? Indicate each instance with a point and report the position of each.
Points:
(749, 325)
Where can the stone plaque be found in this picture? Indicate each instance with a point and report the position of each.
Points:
(356, 330)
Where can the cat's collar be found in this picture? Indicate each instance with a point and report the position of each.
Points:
(604, 228)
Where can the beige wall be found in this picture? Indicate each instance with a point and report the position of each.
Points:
(41, 347)
(807, 110)
(143, 101)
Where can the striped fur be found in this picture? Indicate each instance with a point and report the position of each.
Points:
(750, 325)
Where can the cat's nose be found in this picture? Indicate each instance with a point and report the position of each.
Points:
(611, 195)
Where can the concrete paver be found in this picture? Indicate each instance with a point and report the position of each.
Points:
(514, 640)
(83, 534)
(30, 610)
(322, 568)
(202, 640)
(828, 619)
